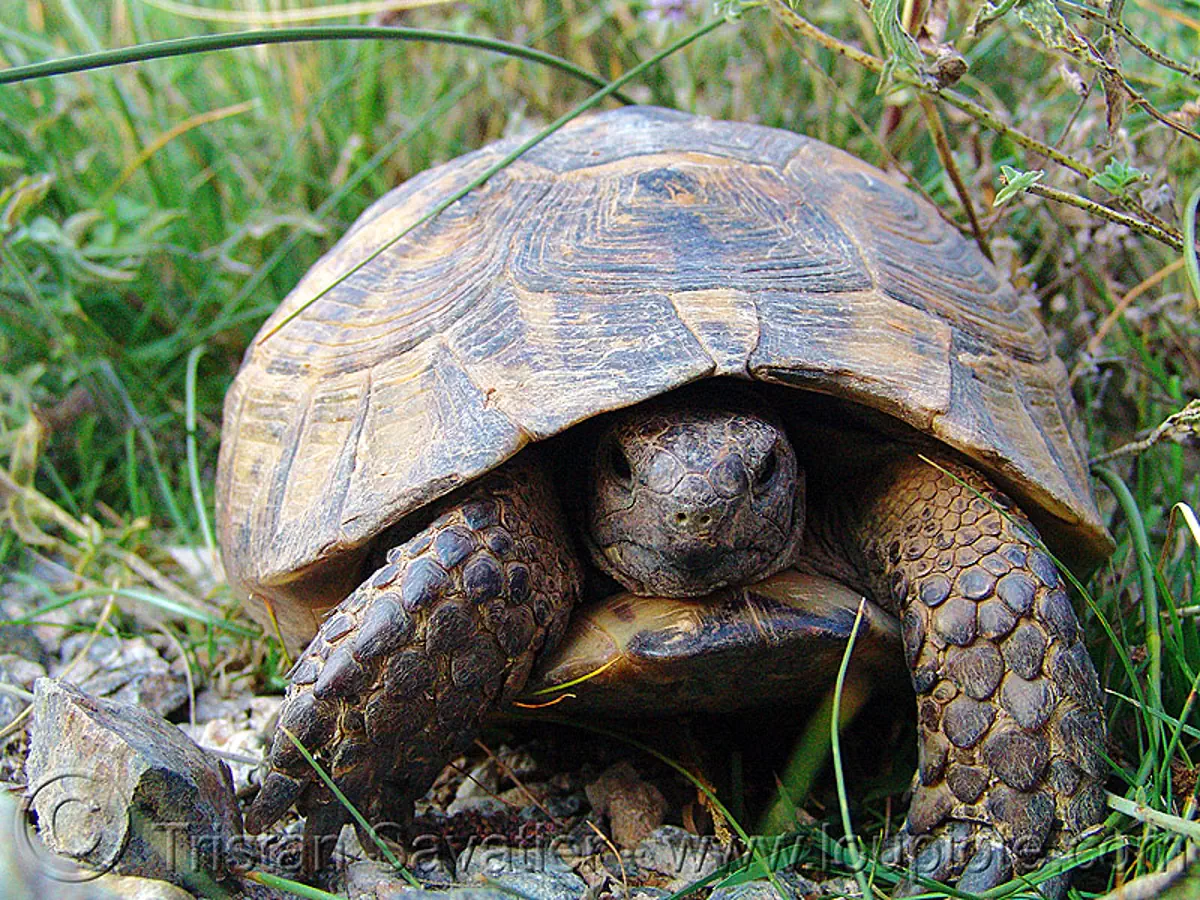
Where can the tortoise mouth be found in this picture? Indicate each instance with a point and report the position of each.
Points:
(694, 570)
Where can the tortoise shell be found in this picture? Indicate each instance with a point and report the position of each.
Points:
(628, 254)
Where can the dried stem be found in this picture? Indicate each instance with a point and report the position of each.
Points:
(1144, 223)
(981, 114)
(1134, 41)
(1167, 236)
(933, 117)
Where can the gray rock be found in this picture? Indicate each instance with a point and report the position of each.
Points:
(432, 870)
(241, 734)
(843, 886)
(537, 873)
(116, 787)
(373, 878)
(128, 671)
(680, 855)
(794, 886)
(14, 680)
(23, 671)
(648, 893)
(370, 879)
(478, 790)
(565, 806)
(22, 641)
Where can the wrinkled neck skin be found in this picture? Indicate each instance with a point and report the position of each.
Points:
(838, 540)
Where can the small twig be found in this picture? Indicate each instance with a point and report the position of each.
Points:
(1137, 43)
(507, 770)
(981, 114)
(934, 119)
(1170, 237)
(612, 848)
(1177, 427)
(1097, 59)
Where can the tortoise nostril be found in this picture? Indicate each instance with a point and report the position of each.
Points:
(681, 517)
(705, 519)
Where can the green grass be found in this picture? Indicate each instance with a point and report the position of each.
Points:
(149, 211)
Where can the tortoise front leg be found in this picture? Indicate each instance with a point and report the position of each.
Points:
(1008, 703)
(401, 671)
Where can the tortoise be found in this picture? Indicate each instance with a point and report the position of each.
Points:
(684, 357)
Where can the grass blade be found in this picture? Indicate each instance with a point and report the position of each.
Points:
(210, 43)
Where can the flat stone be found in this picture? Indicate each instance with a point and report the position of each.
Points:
(537, 873)
(680, 855)
(762, 889)
(127, 671)
(112, 783)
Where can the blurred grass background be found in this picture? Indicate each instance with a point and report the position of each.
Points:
(148, 211)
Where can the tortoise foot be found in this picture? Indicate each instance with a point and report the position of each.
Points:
(401, 672)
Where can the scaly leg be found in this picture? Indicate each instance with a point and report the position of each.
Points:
(1008, 703)
(401, 671)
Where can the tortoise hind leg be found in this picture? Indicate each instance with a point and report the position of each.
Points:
(401, 671)
(1008, 702)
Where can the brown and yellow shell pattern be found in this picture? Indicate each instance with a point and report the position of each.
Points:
(628, 254)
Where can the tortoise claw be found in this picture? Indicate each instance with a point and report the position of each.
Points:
(940, 858)
(990, 866)
(278, 792)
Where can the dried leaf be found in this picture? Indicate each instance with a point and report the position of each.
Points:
(1043, 19)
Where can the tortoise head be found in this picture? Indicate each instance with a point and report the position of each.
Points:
(694, 494)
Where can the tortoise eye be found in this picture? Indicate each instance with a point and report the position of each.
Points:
(618, 462)
(766, 472)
